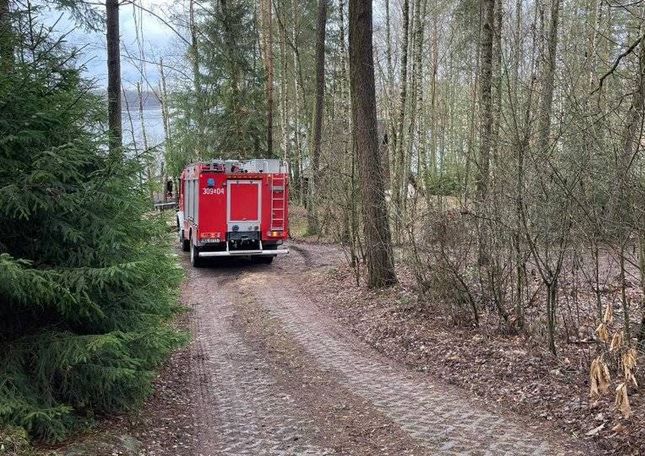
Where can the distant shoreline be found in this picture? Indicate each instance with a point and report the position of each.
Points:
(130, 99)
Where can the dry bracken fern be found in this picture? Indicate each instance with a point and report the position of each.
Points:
(599, 378)
(602, 332)
(609, 314)
(622, 400)
(616, 341)
(629, 363)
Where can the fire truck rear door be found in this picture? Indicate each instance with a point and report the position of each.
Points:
(244, 204)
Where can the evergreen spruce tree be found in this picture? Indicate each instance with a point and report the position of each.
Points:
(231, 95)
(87, 283)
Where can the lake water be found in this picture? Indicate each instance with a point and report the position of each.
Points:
(133, 129)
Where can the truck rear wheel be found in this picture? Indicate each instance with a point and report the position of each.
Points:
(195, 260)
(185, 243)
(182, 240)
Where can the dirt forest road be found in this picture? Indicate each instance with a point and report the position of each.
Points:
(274, 375)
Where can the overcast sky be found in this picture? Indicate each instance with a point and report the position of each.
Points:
(159, 40)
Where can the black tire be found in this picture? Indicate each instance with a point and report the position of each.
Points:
(185, 243)
(195, 260)
(185, 246)
(264, 259)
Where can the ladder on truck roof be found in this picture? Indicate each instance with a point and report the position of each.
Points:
(278, 202)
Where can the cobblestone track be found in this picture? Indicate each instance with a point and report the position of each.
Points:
(438, 416)
(245, 410)
(242, 413)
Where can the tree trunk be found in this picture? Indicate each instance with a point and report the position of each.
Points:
(344, 83)
(485, 90)
(470, 157)
(312, 217)
(641, 334)
(235, 70)
(114, 78)
(398, 184)
(544, 133)
(270, 83)
(135, 147)
(142, 120)
(497, 83)
(198, 110)
(391, 127)
(416, 86)
(144, 137)
(388, 46)
(6, 38)
(486, 133)
(267, 40)
(546, 102)
(522, 140)
(163, 97)
(638, 105)
(284, 116)
(623, 296)
(627, 209)
(296, 104)
(380, 264)
(551, 303)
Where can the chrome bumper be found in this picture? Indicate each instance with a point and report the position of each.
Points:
(229, 253)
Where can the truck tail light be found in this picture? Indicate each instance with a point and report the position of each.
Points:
(210, 236)
(274, 233)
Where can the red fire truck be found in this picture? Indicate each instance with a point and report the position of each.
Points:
(233, 208)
